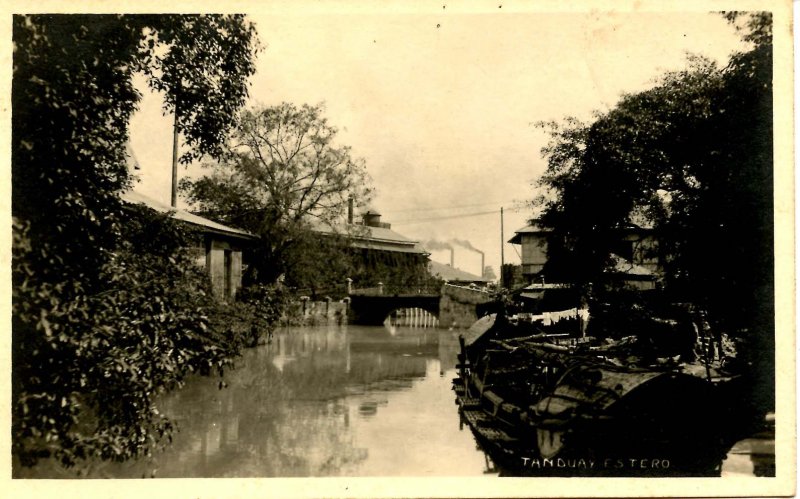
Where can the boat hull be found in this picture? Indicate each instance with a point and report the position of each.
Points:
(537, 409)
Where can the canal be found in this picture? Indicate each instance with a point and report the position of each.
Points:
(317, 401)
(332, 401)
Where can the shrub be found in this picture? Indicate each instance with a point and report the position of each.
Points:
(88, 366)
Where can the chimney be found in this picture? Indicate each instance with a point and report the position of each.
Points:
(452, 257)
(372, 219)
(483, 261)
(350, 210)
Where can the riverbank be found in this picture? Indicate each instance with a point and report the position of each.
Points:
(315, 313)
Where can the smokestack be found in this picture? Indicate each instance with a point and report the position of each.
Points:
(466, 244)
(452, 257)
(350, 210)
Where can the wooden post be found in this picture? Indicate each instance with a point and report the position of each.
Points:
(304, 299)
(175, 158)
(462, 360)
(502, 249)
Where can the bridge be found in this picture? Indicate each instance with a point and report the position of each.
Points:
(453, 305)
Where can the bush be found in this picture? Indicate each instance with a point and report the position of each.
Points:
(264, 305)
(250, 319)
(87, 367)
(107, 309)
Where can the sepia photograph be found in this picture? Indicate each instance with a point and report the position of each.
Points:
(470, 249)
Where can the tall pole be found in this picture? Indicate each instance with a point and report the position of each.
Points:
(502, 249)
(175, 159)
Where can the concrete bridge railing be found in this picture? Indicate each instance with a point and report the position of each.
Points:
(380, 289)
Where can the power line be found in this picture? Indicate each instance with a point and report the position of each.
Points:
(446, 217)
(436, 208)
(455, 216)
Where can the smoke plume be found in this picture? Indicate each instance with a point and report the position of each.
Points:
(437, 245)
(466, 244)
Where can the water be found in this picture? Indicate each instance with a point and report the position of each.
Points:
(335, 401)
(338, 401)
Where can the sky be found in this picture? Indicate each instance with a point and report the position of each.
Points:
(441, 104)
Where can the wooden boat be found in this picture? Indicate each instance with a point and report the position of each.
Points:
(555, 405)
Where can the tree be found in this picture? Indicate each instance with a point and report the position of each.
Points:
(635, 162)
(283, 173)
(318, 264)
(103, 320)
(693, 156)
(511, 276)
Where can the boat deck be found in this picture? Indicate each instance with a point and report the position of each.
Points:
(477, 419)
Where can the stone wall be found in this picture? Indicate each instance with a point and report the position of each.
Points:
(457, 307)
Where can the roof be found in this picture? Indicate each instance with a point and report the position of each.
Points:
(183, 215)
(534, 228)
(531, 228)
(453, 274)
(376, 238)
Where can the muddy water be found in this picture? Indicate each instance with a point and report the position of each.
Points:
(339, 401)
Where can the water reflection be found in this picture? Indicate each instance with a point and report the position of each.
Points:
(410, 317)
(351, 401)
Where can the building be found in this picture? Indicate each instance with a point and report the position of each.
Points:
(455, 276)
(372, 235)
(533, 240)
(634, 258)
(219, 248)
(380, 255)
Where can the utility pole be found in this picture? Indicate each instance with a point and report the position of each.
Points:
(502, 249)
(175, 159)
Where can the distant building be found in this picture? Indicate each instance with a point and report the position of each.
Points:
(381, 254)
(372, 235)
(219, 249)
(635, 260)
(455, 276)
(533, 239)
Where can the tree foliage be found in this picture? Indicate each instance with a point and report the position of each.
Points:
(318, 264)
(693, 157)
(107, 310)
(638, 161)
(283, 173)
(88, 372)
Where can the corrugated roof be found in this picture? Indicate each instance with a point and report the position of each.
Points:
(375, 245)
(378, 238)
(449, 273)
(386, 235)
(138, 198)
